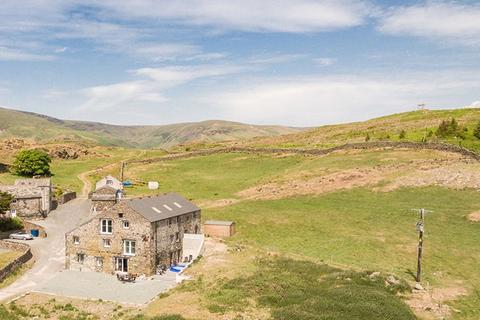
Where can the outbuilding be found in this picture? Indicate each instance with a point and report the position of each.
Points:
(217, 228)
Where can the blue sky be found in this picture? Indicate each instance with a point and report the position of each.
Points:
(290, 62)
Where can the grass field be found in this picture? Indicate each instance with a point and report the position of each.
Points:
(357, 229)
(8, 256)
(320, 243)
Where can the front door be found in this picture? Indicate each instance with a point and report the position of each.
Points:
(121, 264)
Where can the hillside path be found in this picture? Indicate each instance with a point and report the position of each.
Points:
(87, 184)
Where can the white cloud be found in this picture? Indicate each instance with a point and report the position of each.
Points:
(446, 21)
(475, 104)
(324, 61)
(251, 15)
(9, 54)
(152, 88)
(333, 99)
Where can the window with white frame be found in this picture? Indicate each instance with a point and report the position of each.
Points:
(76, 240)
(107, 243)
(126, 224)
(129, 247)
(106, 226)
(99, 261)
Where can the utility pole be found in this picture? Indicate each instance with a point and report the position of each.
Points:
(122, 168)
(420, 230)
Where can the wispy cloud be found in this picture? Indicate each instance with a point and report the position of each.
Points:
(307, 101)
(152, 87)
(250, 15)
(324, 61)
(9, 54)
(437, 20)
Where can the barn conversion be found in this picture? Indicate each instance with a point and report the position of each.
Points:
(32, 198)
(139, 235)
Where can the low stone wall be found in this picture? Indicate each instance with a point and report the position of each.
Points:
(66, 197)
(12, 266)
(349, 146)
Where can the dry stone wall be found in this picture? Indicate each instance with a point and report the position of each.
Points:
(12, 266)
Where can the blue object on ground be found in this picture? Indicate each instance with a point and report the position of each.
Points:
(35, 232)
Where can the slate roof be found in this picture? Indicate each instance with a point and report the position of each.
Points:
(115, 183)
(27, 188)
(161, 207)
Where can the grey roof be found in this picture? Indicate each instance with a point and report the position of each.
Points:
(219, 222)
(161, 207)
(27, 188)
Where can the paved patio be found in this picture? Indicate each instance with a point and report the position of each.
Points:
(93, 285)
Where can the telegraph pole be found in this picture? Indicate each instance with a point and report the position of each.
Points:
(122, 168)
(420, 230)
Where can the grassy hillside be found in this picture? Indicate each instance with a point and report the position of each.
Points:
(416, 124)
(18, 124)
(348, 209)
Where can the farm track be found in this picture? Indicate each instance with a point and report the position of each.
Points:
(87, 185)
(350, 146)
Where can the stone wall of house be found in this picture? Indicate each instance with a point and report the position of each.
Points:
(23, 258)
(91, 243)
(169, 245)
(103, 199)
(100, 205)
(28, 208)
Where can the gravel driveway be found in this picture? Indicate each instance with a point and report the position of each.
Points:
(49, 253)
(95, 285)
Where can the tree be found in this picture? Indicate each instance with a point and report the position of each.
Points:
(29, 163)
(402, 134)
(5, 201)
(450, 129)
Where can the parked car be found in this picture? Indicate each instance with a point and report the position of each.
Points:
(22, 235)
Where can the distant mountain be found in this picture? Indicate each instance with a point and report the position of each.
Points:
(42, 128)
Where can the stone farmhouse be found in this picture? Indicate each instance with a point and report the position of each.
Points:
(108, 191)
(137, 235)
(32, 198)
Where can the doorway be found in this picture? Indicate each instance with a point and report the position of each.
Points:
(121, 264)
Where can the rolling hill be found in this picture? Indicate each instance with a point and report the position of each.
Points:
(41, 128)
(416, 126)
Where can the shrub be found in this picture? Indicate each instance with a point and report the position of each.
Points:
(402, 134)
(8, 224)
(450, 128)
(5, 201)
(367, 137)
(476, 131)
(29, 163)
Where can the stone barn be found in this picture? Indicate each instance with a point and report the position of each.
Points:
(108, 191)
(219, 229)
(136, 235)
(32, 198)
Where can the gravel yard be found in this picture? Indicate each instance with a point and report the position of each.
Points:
(93, 285)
